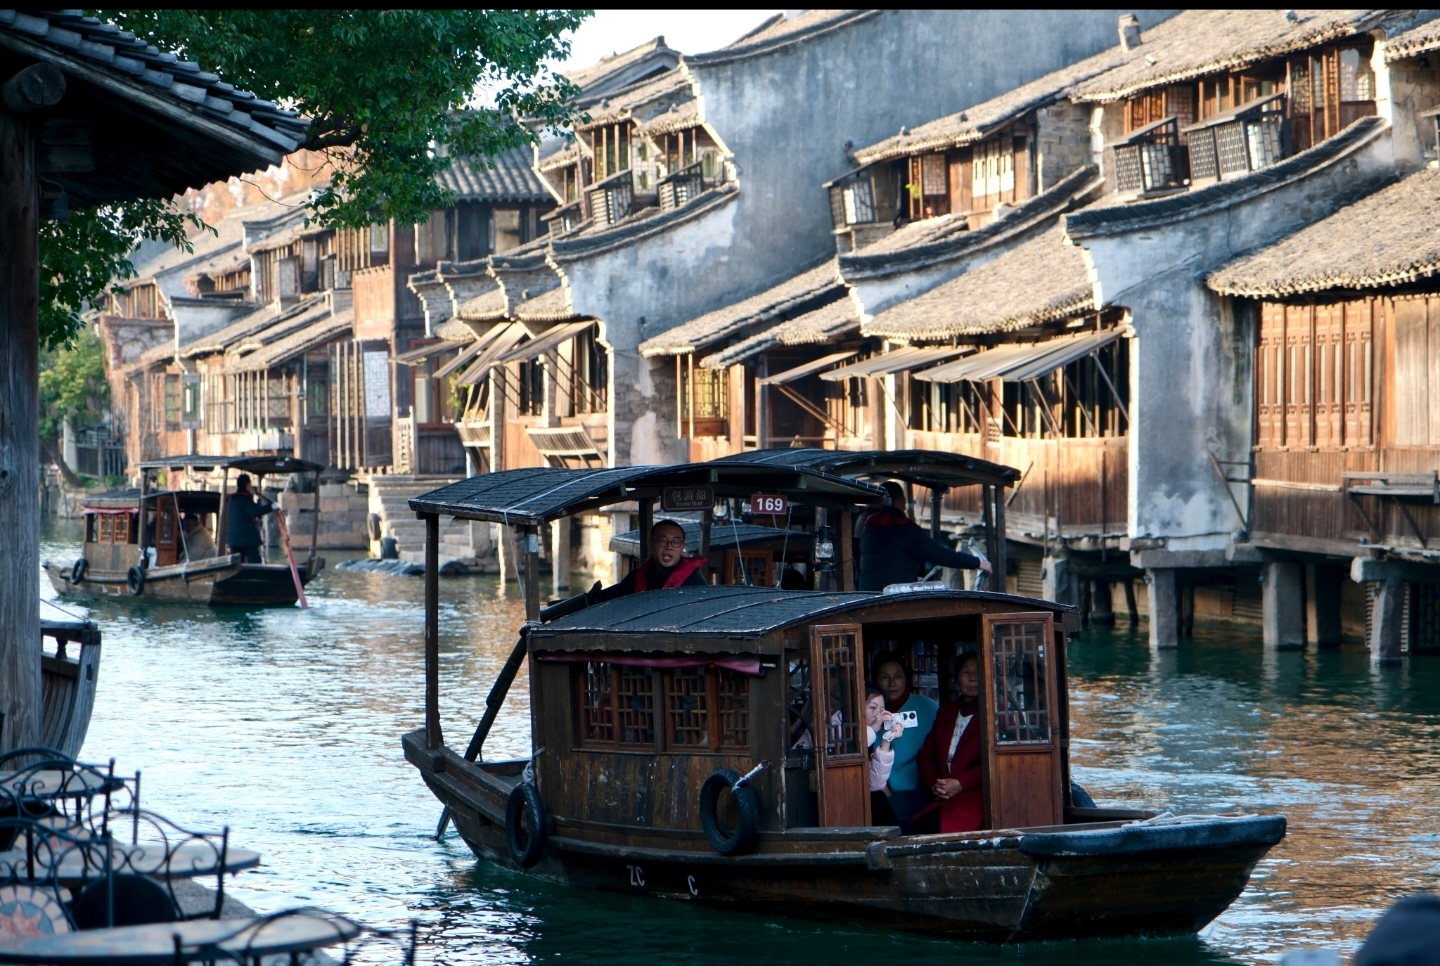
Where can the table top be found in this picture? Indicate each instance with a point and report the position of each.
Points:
(54, 783)
(186, 861)
(200, 939)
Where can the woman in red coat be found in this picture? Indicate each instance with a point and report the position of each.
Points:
(950, 760)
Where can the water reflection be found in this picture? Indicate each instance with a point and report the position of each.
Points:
(286, 724)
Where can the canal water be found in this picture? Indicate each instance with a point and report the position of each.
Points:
(285, 725)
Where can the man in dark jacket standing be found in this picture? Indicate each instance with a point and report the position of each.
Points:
(241, 533)
(666, 567)
(893, 548)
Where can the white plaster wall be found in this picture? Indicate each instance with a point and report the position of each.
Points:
(1192, 352)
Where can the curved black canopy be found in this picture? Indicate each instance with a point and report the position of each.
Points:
(259, 465)
(736, 611)
(925, 467)
(528, 497)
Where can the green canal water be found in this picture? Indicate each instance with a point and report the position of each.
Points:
(285, 726)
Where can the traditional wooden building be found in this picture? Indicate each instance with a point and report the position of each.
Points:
(1346, 439)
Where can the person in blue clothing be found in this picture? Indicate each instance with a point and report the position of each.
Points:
(241, 533)
(893, 548)
(903, 790)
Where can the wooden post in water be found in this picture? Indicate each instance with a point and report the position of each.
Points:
(531, 550)
(19, 437)
(999, 581)
(432, 630)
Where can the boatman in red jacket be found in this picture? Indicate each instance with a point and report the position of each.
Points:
(666, 567)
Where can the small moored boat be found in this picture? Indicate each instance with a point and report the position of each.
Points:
(69, 675)
(135, 543)
(666, 761)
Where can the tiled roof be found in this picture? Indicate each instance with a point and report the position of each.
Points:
(643, 101)
(934, 240)
(1118, 219)
(598, 77)
(245, 327)
(1198, 42)
(822, 281)
(1040, 281)
(1384, 239)
(832, 321)
(551, 306)
(118, 53)
(782, 31)
(484, 307)
(567, 154)
(313, 335)
(505, 177)
(598, 239)
(453, 330)
(1423, 39)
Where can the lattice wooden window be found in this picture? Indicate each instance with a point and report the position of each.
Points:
(687, 709)
(107, 528)
(839, 666)
(1313, 375)
(732, 708)
(617, 706)
(1022, 703)
(700, 708)
(597, 705)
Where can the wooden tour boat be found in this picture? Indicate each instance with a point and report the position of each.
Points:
(135, 545)
(68, 681)
(665, 759)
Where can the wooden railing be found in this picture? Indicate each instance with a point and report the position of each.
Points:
(1151, 158)
(678, 188)
(613, 198)
(1239, 141)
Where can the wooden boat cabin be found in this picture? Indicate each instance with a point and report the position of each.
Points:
(708, 743)
(136, 542)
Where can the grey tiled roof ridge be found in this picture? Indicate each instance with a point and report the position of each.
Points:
(741, 50)
(630, 231)
(1052, 202)
(1233, 62)
(104, 46)
(1119, 219)
(884, 151)
(1421, 39)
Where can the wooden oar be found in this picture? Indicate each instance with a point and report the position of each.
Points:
(290, 555)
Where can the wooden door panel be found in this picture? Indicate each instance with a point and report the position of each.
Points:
(838, 699)
(1020, 721)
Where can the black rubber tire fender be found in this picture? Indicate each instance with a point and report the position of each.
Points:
(78, 570)
(1079, 797)
(525, 825)
(747, 814)
(135, 580)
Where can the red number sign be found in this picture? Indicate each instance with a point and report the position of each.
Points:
(768, 504)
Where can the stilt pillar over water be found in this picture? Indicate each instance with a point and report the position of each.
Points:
(1283, 606)
(1322, 604)
(1164, 608)
(433, 738)
(560, 553)
(19, 438)
(1057, 584)
(1385, 621)
(1102, 609)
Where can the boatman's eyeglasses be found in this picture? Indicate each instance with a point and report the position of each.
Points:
(670, 542)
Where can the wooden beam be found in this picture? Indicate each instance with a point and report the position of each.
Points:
(647, 520)
(846, 552)
(34, 88)
(433, 737)
(532, 573)
(1001, 582)
(20, 673)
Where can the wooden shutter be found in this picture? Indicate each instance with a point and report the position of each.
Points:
(842, 770)
(1412, 373)
(1329, 375)
(1270, 376)
(1354, 366)
(1021, 721)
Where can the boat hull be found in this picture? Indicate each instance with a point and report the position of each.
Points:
(218, 583)
(1064, 882)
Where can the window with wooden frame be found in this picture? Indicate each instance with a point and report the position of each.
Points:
(530, 387)
(143, 302)
(699, 708)
(679, 149)
(946, 407)
(611, 146)
(706, 708)
(751, 567)
(1328, 90)
(433, 399)
(704, 397)
(432, 238)
(589, 373)
(1087, 399)
(1314, 365)
(929, 187)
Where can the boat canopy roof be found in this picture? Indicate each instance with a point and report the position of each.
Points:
(529, 497)
(735, 611)
(724, 534)
(202, 501)
(259, 465)
(925, 467)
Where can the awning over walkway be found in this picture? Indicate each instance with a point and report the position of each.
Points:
(809, 368)
(472, 349)
(1019, 363)
(505, 339)
(549, 340)
(906, 357)
(417, 356)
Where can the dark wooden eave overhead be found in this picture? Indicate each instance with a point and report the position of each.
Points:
(529, 497)
(925, 467)
(135, 122)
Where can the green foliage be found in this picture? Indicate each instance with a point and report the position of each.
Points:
(72, 384)
(81, 258)
(382, 88)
